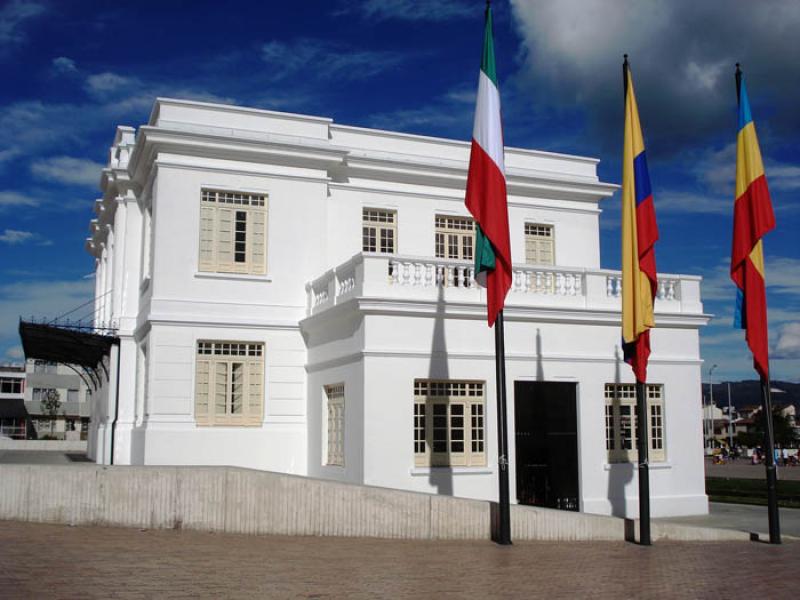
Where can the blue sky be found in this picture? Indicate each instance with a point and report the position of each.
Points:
(72, 71)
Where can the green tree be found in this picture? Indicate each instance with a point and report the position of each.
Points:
(781, 428)
(50, 404)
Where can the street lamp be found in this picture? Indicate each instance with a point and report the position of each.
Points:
(711, 406)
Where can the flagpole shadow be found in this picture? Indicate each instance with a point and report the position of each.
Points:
(440, 478)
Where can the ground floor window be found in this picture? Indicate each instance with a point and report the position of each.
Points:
(621, 422)
(335, 399)
(449, 423)
(229, 386)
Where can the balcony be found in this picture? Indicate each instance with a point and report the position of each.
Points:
(410, 278)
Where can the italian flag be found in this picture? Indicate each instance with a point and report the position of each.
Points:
(486, 185)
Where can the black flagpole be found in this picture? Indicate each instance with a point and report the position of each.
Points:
(766, 406)
(769, 464)
(641, 413)
(644, 471)
(503, 536)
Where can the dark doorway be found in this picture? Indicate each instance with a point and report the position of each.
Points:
(547, 444)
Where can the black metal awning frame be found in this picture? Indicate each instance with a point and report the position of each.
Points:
(81, 348)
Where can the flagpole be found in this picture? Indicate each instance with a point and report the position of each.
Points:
(641, 410)
(766, 406)
(769, 464)
(644, 470)
(504, 525)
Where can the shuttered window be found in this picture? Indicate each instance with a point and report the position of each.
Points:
(621, 422)
(335, 396)
(449, 423)
(233, 229)
(539, 244)
(229, 383)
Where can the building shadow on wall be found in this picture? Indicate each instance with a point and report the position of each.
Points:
(619, 474)
(440, 478)
(539, 358)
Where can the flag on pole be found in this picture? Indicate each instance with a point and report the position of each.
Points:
(486, 185)
(639, 235)
(752, 218)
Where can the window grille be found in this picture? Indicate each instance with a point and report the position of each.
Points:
(449, 423)
(232, 232)
(336, 424)
(229, 387)
(621, 422)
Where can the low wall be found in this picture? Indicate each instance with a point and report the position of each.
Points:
(235, 500)
(60, 445)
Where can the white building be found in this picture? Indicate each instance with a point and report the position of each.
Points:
(70, 418)
(294, 295)
(13, 416)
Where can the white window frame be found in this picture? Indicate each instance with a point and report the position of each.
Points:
(233, 232)
(621, 423)
(334, 440)
(439, 407)
(229, 375)
(540, 244)
(454, 237)
(13, 385)
(379, 230)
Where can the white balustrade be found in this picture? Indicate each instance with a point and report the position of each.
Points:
(666, 289)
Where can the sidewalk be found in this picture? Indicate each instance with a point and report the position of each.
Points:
(742, 469)
(742, 517)
(53, 561)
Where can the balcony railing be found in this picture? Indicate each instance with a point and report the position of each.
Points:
(410, 278)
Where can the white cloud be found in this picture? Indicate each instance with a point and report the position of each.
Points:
(64, 65)
(9, 198)
(692, 202)
(411, 10)
(451, 113)
(683, 67)
(69, 170)
(787, 346)
(13, 236)
(308, 58)
(103, 84)
(15, 353)
(41, 299)
(13, 15)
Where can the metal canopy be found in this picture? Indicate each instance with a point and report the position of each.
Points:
(78, 349)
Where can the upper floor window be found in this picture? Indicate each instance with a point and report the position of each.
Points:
(11, 385)
(233, 232)
(229, 387)
(449, 423)
(621, 422)
(379, 231)
(45, 366)
(539, 247)
(454, 237)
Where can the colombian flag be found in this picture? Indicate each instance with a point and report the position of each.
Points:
(752, 218)
(639, 235)
(486, 185)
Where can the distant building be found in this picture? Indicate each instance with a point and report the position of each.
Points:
(71, 420)
(13, 414)
(295, 295)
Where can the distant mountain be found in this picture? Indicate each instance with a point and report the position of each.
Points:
(748, 393)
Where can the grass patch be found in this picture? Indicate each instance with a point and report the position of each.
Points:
(751, 491)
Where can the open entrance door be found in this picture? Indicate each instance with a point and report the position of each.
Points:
(547, 444)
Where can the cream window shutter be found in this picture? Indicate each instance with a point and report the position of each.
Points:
(207, 238)
(257, 238)
(201, 391)
(224, 237)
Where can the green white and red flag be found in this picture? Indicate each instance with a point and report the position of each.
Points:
(486, 185)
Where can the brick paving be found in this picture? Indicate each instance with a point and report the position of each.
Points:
(55, 561)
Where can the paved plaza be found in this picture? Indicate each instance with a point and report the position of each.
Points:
(55, 561)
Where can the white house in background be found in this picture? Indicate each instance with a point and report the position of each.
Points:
(295, 295)
(71, 419)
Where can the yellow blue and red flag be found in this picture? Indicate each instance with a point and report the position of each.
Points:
(752, 218)
(639, 235)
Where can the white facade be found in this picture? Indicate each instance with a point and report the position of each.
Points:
(344, 334)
